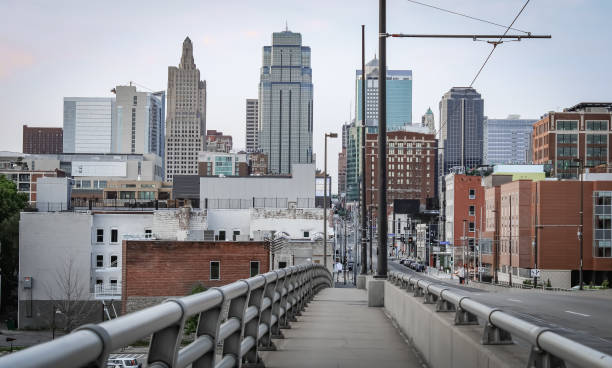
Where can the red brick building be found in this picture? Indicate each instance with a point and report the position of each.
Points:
(39, 140)
(411, 166)
(155, 270)
(258, 163)
(579, 132)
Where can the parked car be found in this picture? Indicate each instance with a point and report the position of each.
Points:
(127, 362)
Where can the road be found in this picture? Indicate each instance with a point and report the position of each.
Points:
(585, 319)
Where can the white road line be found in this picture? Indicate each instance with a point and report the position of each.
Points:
(580, 314)
(515, 300)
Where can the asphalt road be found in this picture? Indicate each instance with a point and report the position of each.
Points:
(585, 319)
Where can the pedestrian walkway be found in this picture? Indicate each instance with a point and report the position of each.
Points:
(337, 329)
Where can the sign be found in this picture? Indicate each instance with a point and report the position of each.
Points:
(436, 249)
(535, 272)
(391, 235)
(444, 243)
(482, 269)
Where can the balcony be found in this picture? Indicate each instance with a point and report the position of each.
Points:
(107, 292)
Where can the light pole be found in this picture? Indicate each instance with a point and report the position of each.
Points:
(364, 250)
(330, 135)
(581, 228)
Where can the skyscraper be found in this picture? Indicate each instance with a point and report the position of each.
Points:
(89, 123)
(428, 121)
(285, 102)
(186, 120)
(140, 121)
(461, 129)
(399, 96)
(252, 128)
(506, 141)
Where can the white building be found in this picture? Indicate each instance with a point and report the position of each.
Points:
(89, 123)
(221, 163)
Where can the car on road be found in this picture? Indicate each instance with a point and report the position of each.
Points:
(123, 362)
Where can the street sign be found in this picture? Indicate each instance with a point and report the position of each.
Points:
(482, 269)
(535, 272)
(391, 235)
(444, 243)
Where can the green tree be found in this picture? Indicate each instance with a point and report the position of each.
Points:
(192, 323)
(11, 203)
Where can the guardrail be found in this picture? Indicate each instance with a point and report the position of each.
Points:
(258, 308)
(548, 349)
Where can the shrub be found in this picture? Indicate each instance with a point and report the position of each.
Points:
(548, 284)
(605, 284)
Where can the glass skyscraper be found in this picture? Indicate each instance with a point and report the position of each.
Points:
(506, 141)
(461, 129)
(285, 102)
(399, 96)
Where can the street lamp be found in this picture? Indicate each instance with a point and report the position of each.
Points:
(330, 135)
(581, 228)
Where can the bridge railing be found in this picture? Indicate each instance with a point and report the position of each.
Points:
(548, 349)
(258, 308)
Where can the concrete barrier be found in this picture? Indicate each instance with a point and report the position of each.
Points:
(441, 343)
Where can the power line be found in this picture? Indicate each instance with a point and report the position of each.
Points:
(497, 43)
(464, 15)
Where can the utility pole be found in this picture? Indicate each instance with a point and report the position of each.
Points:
(364, 214)
(466, 274)
(510, 239)
(580, 231)
(382, 141)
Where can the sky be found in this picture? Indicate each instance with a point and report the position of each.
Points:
(55, 49)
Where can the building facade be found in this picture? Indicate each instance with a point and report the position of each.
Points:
(285, 103)
(218, 142)
(258, 163)
(186, 119)
(342, 172)
(461, 129)
(507, 141)
(42, 140)
(428, 121)
(578, 134)
(222, 164)
(399, 96)
(140, 121)
(89, 123)
(252, 125)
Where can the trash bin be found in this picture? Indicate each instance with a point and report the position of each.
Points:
(10, 324)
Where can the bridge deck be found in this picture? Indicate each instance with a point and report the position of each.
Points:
(337, 329)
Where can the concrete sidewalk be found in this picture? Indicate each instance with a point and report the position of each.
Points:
(338, 329)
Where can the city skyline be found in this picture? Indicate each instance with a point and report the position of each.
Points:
(46, 66)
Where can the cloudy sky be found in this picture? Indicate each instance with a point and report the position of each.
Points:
(52, 49)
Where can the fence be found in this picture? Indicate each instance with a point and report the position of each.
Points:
(548, 349)
(257, 308)
(255, 202)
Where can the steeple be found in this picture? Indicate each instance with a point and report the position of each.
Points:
(187, 56)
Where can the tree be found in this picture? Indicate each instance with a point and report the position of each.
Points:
(11, 203)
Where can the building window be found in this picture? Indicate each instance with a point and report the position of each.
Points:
(567, 124)
(597, 125)
(100, 236)
(113, 284)
(472, 210)
(114, 261)
(148, 233)
(472, 227)
(283, 264)
(602, 239)
(114, 235)
(254, 268)
(215, 270)
(472, 194)
(235, 234)
(221, 235)
(99, 261)
(306, 234)
(99, 282)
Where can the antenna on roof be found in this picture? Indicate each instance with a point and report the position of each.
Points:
(286, 26)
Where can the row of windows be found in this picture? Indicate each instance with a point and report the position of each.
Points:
(114, 235)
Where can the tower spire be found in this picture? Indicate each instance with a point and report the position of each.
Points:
(187, 55)
(286, 26)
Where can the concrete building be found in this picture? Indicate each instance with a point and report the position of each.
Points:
(218, 142)
(506, 141)
(140, 121)
(186, 119)
(581, 132)
(258, 163)
(353, 160)
(212, 163)
(42, 140)
(285, 103)
(428, 121)
(461, 129)
(137, 190)
(252, 125)
(89, 123)
(399, 96)
(53, 194)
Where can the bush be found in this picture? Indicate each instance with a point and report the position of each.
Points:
(548, 284)
(192, 323)
(526, 282)
(605, 284)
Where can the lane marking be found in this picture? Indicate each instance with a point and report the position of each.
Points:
(515, 300)
(579, 314)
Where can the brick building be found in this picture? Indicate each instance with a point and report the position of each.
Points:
(579, 132)
(155, 270)
(258, 163)
(218, 142)
(411, 166)
(39, 140)
(342, 171)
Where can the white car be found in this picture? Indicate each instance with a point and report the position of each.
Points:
(124, 362)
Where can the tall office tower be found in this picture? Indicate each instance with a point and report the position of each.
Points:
(89, 123)
(252, 128)
(140, 121)
(428, 121)
(39, 140)
(461, 129)
(186, 119)
(285, 103)
(345, 134)
(399, 96)
(506, 141)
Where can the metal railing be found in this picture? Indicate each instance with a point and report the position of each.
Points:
(258, 308)
(548, 349)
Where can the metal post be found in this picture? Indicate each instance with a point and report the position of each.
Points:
(535, 239)
(510, 238)
(325, 206)
(580, 231)
(381, 270)
(364, 215)
(466, 275)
